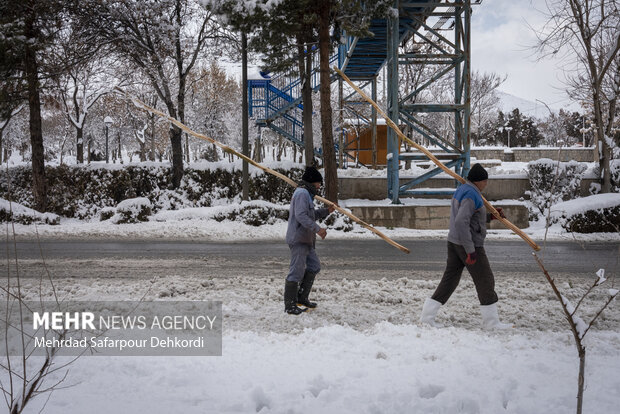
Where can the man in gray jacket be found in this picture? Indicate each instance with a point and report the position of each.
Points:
(468, 218)
(301, 238)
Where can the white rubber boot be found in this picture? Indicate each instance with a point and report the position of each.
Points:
(490, 318)
(429, 311)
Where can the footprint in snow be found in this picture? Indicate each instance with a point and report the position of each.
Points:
(431, 391)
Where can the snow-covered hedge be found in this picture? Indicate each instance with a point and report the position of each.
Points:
(19, 213)
(254, 214)
(87, 192)
(594, 214)
(132, 210)
(552, 182)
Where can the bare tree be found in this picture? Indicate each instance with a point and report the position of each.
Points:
(83, 80)
(586, 34)
(163, 39)
(484, 99)
(578, 326)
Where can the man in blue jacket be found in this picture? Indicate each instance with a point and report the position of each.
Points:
(468, 218)
(301, 238)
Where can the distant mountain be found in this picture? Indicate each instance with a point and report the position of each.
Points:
(509, 102)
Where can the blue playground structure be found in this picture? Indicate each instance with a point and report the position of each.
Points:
(440, 34)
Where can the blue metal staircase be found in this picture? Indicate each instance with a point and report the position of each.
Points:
(276, 102)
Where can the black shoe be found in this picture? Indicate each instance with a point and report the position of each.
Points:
(290, 298)
(304, 291)
(294, 310)
(307, 304)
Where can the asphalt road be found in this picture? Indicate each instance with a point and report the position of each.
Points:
(119, 258)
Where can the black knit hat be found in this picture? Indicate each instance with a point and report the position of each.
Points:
(477, 173)
(312, 175)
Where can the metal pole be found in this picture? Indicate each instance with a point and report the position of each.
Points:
(392, 98)
(341, 119)
(583, 130)
(374, 124)
(244, 109)
(107, 158)
(467, 89)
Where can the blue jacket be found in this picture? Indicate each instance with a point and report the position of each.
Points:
(468, 218)
(302, 226)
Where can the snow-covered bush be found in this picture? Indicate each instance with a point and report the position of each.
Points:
(21, 214)
(552, 182)
(338, 222)
(593, 214)
(614, 166)
(106, 213)
(132, 210)
(256, 215)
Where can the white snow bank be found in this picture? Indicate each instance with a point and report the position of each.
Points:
(134, 205)
(207, 213)
(19, 210)
(580, 205)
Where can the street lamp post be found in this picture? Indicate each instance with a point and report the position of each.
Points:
(108, 122)
(508, 129)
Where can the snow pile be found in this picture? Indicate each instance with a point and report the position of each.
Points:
(132, 210)
(18, 213)
(596, 213)
(253, 213)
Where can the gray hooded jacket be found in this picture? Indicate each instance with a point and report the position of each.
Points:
(302, 226)
(468, 218)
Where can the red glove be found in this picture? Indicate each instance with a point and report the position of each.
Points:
(501, 213)
(471, 259)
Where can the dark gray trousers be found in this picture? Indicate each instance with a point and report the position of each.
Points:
(480, 272)
(303, 258)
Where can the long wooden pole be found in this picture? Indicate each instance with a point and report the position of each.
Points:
(426, 152)
(283, 177)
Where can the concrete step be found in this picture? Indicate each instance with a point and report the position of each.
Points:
(429, 216)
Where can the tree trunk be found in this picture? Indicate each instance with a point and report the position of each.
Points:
(152, 152)
(327, 138)
(581, 378)
(305, 70)
(602, 147)
(79, 146)
(39, 185)
(120, 148)
(176, 143)
(186, 148)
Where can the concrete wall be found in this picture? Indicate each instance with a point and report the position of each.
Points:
(488, 154)
(375, 188)
(532, 154)
(429, 217)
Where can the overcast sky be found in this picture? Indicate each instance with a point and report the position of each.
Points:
(500, 43)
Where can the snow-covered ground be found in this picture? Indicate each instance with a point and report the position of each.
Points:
(360, 351)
